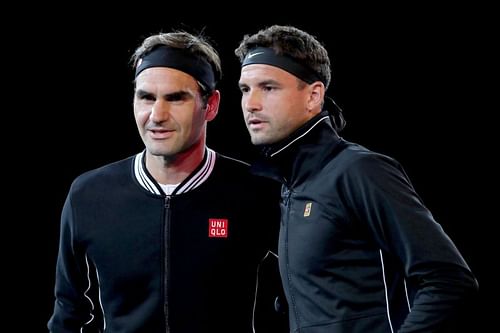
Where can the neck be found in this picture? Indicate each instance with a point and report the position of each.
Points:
(173, 170)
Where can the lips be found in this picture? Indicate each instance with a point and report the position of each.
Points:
(255, 123)
(160, 133)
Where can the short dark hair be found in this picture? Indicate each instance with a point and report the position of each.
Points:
(197, 45)
(291, 42)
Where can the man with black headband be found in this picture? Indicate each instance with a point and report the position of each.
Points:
(358, 250)
(172, 239)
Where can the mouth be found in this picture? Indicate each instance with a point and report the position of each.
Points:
(160, 133)
(254, 121)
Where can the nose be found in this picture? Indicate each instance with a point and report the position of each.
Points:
(252, 101)
(159, 112)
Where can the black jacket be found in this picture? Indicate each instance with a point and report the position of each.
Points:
(132, 259)
(358, 250)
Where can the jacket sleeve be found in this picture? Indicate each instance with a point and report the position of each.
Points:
(381, 195)
(270, 310)
(72, 308)
(270, 313)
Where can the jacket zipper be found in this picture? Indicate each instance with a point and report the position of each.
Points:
(166, 262)
(288, 194)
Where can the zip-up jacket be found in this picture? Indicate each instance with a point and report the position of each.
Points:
(133, 259)
(358, 250)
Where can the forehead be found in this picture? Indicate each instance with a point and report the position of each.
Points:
(256, 73)
(165, 76)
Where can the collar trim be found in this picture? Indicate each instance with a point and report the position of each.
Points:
(300, 136)
(201, 174)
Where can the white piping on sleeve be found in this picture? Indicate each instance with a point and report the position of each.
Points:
(407, 297)
(385, 290)
(85, 294)
(100, 301)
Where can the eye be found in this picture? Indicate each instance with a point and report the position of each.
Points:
(148, 97)
(176, 97)
(142, 95)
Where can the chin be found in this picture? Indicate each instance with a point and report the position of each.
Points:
(161, 151)
(257, 141)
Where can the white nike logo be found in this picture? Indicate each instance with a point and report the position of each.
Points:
(253, 54)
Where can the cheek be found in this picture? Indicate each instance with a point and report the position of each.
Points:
(141, 115)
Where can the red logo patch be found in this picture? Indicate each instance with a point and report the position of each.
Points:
(218, 228)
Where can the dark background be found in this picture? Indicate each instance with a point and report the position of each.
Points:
(412, 82)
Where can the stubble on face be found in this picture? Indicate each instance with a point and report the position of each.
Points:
(168, 111)
(273, 103)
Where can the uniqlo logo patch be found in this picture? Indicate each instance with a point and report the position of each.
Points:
(218, 228)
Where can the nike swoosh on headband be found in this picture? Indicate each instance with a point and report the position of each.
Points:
(254, 54)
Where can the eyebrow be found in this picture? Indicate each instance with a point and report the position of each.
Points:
(180, 94)
(262, 83)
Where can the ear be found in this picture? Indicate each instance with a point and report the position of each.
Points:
(212, 105)
(316, 96)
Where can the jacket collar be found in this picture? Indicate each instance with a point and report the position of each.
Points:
(272, 150)
(300, 154)
(197, 177)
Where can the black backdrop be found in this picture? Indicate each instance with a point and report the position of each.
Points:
(407, 78)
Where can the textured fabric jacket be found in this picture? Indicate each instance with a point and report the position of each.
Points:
(132, 259)
(358, 250)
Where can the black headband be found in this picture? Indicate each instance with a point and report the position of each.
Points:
(267, 56)
(164, 56)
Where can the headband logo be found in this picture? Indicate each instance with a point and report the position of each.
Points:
(254, 54)
(294, 66)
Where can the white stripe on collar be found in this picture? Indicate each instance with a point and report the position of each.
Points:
(297, 138)
(143, 177)
(194, 180)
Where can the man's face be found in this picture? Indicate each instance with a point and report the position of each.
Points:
(169, 111)
(274, 103)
